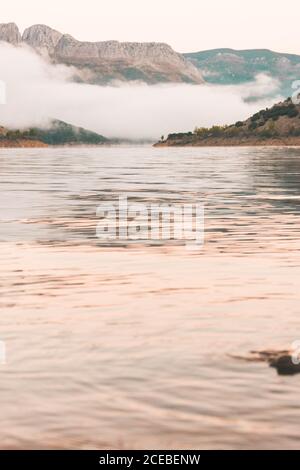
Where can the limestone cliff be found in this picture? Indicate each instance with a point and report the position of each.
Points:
(107, 61)
(9, 32)
(41, 38)
(151, 62)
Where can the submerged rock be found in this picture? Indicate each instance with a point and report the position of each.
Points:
(285, 365)
(283, 361)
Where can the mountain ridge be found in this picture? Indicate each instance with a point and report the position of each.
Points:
(105, 61)
(227, 66)
(109, 62)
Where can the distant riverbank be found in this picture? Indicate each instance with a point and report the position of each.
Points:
(22, 143)
(277, 126)
(227, 142)
(58, 133)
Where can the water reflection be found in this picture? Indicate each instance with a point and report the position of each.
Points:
(246, 192)
(115, 347)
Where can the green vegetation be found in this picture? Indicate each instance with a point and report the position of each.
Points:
(231, 67)
(269, 131)
(180, 135)
(278, 110)
(280, 121)
(214, 131)
(60, 133)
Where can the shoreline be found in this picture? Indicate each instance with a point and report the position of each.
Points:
(22, 143)
(38, 144)
(288, 142)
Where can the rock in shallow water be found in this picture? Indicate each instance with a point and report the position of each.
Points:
(283, 361)
(285, 365)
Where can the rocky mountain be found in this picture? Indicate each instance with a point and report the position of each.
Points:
(102, 62)
(107, 61)
(9, 32)
(279, 125)
(58, 133)
(42, 38)
(231, 67)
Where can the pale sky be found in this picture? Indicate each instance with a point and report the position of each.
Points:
(189, 25)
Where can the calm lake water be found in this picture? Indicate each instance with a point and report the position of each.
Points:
(131, 346)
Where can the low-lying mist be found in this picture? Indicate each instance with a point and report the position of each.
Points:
(37, 91)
